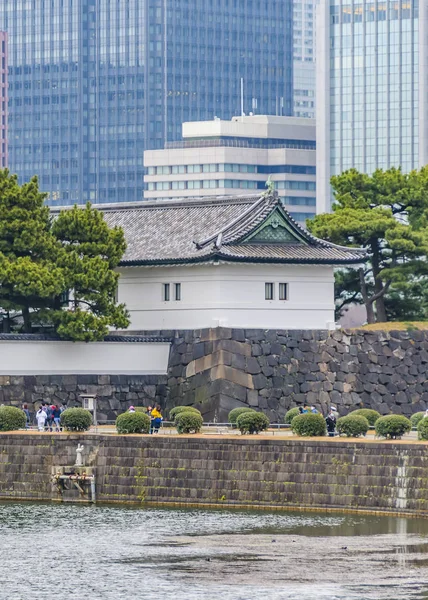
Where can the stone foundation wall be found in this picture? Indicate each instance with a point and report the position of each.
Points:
(223, 471)
(115, 393)
(220, 369)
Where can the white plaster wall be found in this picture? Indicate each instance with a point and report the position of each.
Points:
(50, 358)
(229, 295)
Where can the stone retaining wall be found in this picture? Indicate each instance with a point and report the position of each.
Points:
(115, 393)
(220, 369)
(246, 471)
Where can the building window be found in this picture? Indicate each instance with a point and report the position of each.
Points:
(177, 288)
(283, 291)
(166, 292)
(269, 291)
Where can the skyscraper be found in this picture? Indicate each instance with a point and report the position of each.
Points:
(304, 74)
(227, 158)
(369, 74)
(3, 101)
(95, 83)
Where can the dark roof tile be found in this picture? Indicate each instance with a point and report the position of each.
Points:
(199, 230)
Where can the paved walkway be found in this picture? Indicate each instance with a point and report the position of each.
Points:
(223, 431)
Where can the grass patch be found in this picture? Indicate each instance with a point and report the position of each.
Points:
(395, 326)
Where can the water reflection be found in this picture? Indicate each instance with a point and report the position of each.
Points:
(111, 552)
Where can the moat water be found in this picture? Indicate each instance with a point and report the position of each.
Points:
(53, 552)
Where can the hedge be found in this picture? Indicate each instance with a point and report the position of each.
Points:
(352, 425)
(289, 415)
(423, 429)
(392, 426)
(252, 422)
(371, 415)
(309, 424)
(416, 418)
(134, 422)
(178, 409)
(76, 419)
(188, 421)
(235, 412)
(12, 418)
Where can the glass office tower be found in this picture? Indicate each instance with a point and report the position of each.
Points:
(3, 101)
(93, 83)
(304, 74)
(368, 82)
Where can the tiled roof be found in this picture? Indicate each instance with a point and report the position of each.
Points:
(40, 337)
(201, 230)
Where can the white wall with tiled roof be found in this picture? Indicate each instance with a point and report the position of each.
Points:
(229, 295)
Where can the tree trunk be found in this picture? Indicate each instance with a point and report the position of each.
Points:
(379, 288)
(27, 320)
(381, 316)
(366, 299)
(6, 323)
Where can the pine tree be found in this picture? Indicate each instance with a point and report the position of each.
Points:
(373, 212)
(29, 276)
(90, 253)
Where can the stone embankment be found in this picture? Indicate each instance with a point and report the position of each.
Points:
(114, 392)
(273, 371)
(254, 472)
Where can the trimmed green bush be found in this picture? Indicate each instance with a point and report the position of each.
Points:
(235, 412)
(76, 419)
(136, 422)
(416, 418)
(423, 428)
(12, 418)
(309, 424)
(188, 421)
(178, 409)
(252, 422)
(371, 415)
(392, 426)
(289, 415)
(352, 425)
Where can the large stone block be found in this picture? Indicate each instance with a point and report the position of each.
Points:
(233, 375)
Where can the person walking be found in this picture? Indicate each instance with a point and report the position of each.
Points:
(49, 417)
(27, 414)
(56, 415)
(41, 419)
(156, 421)
(330, 421)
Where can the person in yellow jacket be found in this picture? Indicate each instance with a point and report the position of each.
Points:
(156, 416)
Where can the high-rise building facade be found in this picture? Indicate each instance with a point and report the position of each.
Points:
(92, 84)
(304, 58)
(3, 101)
(369, 74)
(227, 158)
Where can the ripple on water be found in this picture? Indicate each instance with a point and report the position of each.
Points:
(116, 553)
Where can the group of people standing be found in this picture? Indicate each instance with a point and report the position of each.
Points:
(330, 419)
(48, 416)
(154, 412)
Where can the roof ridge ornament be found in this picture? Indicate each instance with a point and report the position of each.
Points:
(270, 187)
